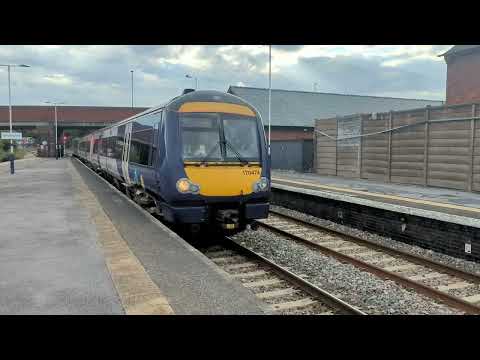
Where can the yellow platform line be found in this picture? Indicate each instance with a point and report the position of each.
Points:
(137, 291)
(384, 196)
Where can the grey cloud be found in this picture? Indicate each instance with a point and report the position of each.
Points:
(359, 75)
(292, 48)
(101, 76)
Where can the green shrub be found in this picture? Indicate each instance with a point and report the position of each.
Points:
(5, 151)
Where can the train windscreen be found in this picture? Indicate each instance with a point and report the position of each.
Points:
(215, 137)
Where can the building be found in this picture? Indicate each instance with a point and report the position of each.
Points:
(463, 74)
(294, 113)
(39, 121)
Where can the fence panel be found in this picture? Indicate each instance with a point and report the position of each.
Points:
(326, 156)
(408, 148)
(437, 146)
(348, 158)
(375, 148)
(450, 152)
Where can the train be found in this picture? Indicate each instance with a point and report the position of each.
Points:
(200, 161)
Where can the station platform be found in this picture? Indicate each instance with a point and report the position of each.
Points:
(442, 220)
(71, 244)
(448, 205)
(49, 260)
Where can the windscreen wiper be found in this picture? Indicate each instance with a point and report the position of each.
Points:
(242, 160)
(204, 160)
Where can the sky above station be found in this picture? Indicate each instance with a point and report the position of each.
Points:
(99, 75)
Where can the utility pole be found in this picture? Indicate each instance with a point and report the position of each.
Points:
(269, 95)
(12, 157)
(131, 71)
(193, 77)
(56, 125)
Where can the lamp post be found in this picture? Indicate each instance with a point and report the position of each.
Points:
(10, 96)
(193, 77)
(131, 71)
(269, 95)
(56, 124)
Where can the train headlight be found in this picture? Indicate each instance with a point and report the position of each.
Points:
(185, 186)
(261, 185)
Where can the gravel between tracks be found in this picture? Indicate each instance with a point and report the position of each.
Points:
(461, 264)
(371, 294)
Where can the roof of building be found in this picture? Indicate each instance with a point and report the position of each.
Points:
(460, 49)
(90, 114)
(301, 108)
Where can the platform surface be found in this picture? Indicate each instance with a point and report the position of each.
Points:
(70, 244)
(50, 262)
(444, 204)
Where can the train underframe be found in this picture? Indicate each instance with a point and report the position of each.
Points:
(194, 219)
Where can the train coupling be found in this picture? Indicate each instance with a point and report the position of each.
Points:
(228, 219)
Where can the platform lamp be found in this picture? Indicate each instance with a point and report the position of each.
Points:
(8, 66)
(269, 96)
(193, 77)
(131, 72)
(55, 103)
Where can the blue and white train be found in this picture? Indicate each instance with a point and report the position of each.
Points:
(201, 159)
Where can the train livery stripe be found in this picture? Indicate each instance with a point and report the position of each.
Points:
(390, 197)
(216, 107)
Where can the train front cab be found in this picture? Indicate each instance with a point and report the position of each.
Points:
(224, 176)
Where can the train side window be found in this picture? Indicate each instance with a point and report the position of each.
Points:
(101, 147)
(142, 136)
(157, 120)
(119, 142)
(110, 147)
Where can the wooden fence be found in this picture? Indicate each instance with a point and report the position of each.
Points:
(436, 146)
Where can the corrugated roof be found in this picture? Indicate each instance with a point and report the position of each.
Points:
(300, 108)
(460, 49)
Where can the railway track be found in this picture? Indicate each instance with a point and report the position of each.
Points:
(282, 291)
(449, 285)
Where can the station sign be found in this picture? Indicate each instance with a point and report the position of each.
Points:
(11, 136)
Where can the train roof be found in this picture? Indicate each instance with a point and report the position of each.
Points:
(177, 102)
(207, 96)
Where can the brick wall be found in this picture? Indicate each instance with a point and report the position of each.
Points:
(463, 79)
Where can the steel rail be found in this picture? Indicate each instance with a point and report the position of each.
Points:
(448, 269)
(421, 288)
(327, 298)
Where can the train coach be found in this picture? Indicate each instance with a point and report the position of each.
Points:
(200, 160)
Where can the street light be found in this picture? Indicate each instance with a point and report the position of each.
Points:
(131, 71)
(55, 103)
(10, 96)
(193, 77)
(269, 95)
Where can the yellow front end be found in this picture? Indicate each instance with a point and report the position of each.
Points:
(224, 180)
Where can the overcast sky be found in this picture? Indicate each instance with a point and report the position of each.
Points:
(100, 74)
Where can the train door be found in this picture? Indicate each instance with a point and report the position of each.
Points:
(90, 151)
(126, 152)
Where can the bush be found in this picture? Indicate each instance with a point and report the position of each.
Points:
(5, 151)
